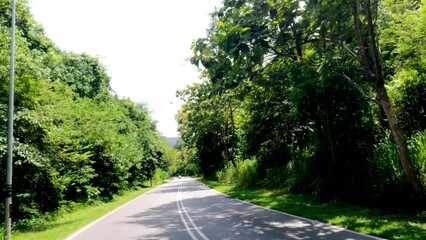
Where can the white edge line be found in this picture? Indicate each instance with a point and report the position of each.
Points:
(295, 216)
(79, 231)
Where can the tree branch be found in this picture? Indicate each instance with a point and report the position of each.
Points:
(354, 55)
(360, 89)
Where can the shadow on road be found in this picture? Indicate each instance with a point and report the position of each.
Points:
(221, 217)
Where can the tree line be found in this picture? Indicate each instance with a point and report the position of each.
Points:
(320, 97)
(75, 139)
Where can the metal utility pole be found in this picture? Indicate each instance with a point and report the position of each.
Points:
(8, 185)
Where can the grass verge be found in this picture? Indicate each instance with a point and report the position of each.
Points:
(354, 217)
(81, 215)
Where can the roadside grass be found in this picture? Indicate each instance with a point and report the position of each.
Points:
(65, 223)
(354, 217)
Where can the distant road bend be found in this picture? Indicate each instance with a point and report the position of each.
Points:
(187, 209)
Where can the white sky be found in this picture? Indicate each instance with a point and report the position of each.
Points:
(144, 44)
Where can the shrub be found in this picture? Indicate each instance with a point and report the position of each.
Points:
(417, 146)
(160, 176)
(244, 174)
(390, 184)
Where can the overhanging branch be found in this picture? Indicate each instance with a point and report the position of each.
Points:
(360, 89)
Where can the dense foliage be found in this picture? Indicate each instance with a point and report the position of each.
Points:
(75, 140)
(319, 97)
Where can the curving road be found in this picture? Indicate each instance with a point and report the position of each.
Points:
(187, 209)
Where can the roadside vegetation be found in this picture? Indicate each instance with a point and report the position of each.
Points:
(76, 143)
(320, 99)
(68, 219)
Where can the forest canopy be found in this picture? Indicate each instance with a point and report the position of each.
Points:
(75, 140)
(320, 97)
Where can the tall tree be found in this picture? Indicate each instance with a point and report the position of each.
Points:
(371, 62)
(249, 36)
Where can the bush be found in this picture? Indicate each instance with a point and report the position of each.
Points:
(386, 167)
(277, 177)
(160, 176)
(244, 174)
(417, 146)
(386, 162)
(390, 184)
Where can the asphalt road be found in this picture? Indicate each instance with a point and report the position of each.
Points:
(187, 209)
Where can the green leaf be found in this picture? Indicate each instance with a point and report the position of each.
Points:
(244, 48)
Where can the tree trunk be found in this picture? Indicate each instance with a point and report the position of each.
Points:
(374, 75)
(399, 138)
(232, 135)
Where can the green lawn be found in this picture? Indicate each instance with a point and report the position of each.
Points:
(357, 218)
(68, 222)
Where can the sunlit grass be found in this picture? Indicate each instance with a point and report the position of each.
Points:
(354, 217)
(68, 222)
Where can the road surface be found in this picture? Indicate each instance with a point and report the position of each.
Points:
(187, 209)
